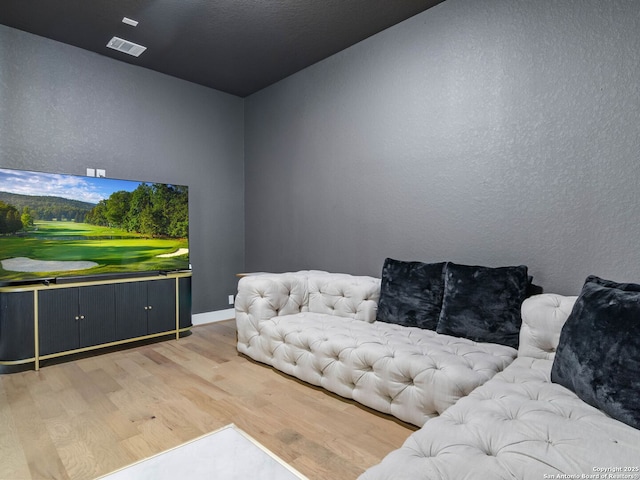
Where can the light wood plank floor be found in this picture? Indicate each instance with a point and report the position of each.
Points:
(85, 417)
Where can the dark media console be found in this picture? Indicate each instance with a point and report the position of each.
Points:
(48, 320)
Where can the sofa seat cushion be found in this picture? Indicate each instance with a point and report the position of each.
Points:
(518, 425)
(408, 372)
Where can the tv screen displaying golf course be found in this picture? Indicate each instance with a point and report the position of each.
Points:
(55, 226)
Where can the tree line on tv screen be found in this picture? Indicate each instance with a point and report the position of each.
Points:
(10, 219)
(153, 210)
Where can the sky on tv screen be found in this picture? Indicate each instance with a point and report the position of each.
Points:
(73, 187)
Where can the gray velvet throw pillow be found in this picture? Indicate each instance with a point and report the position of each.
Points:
(411, 293)
(483, 303)
(598, 355)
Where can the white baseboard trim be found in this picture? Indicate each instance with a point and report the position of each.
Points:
(211, 317)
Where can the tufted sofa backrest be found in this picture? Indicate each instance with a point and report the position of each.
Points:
(542, 319)
(344, 296)
(264, 296)
(267, 295)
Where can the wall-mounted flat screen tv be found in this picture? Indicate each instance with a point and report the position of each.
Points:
(58, 227)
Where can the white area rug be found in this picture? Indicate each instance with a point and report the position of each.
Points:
(226, 454)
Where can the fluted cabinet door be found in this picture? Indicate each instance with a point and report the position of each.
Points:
(131, 311)
(185, 302)
(96, 306)
(161, 313)
(16, 325)
(58, 320)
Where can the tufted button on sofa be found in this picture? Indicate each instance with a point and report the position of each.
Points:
(320, 327)
(519, 425)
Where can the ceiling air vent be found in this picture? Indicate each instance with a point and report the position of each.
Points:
(126, 46)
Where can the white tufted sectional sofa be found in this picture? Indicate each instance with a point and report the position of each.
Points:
(320, 327)
(516, 424)
(519, 425)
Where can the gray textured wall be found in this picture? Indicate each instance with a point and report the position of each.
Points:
(492, 132)
(63, 109)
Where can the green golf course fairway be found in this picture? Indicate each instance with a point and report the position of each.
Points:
(112, 249)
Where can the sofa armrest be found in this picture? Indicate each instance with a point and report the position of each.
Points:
(264, 296)
(542, 319)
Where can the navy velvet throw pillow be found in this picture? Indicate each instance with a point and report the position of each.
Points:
(411, 293)
(598, 355)
(483, 303)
